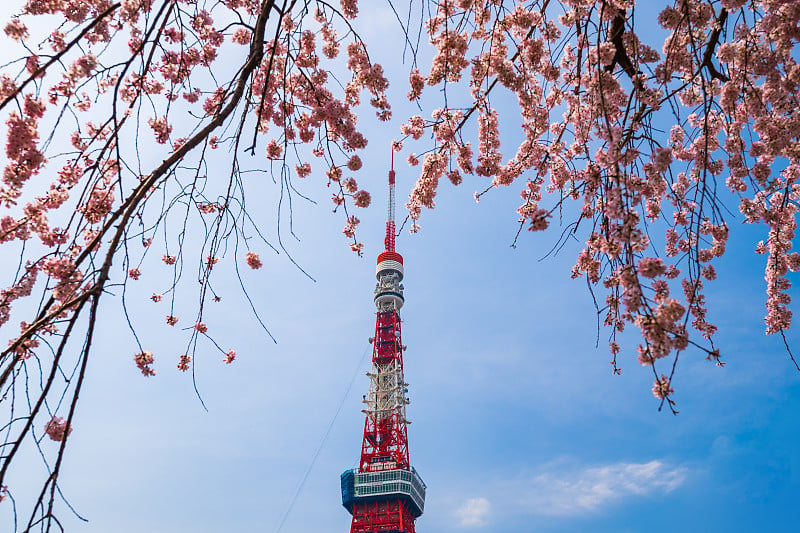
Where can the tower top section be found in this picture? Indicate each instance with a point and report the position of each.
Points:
(389, 270)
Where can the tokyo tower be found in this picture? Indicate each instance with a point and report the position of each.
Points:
(385, 494)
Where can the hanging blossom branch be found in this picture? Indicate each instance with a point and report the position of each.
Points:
(120, 106)
(594, 96)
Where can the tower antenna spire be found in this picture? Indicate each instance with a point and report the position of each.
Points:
(388, 241)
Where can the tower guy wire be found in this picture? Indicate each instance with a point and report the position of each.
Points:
(321, 443)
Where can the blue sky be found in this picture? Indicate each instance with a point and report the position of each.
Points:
(518, 423)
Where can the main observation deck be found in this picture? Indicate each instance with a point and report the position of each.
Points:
(371, 486)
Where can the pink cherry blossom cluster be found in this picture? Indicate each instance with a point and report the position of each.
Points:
(349, 229)
(98, 205)
(20, 289)
(161, 128)
(183, 362)
(253, 261)
(362, 199)
(662, 388)
(121, 104)
(331, 40)
(22, 151)
(68, 277)
(57, 429)
(350, 185)
(16, 29)
(241, 36)
(209, 207)
(274, 150)
(357, 247)
(143, 361)
(303, 170)
(349, 8)
(79, 70)
(588, 108)
(24, 349)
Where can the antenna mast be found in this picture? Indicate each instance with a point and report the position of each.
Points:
(388, 241)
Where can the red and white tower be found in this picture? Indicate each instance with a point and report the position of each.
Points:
(385, 494)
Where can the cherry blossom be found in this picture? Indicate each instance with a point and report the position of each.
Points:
(354, 163)
(662, 388)
(111, 120)
(357, 247)
(241, 36)
(161, 128)
(57, 429)
(253, 261)
(274, 150)
(350, 228)
(591, 112)
(143, 361)
(350, 185)
(303, 170)
(362, 199)
(208, 207)
(16, 30)
(183, 362)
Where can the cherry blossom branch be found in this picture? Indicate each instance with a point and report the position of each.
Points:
(711, 45)
(57, 57)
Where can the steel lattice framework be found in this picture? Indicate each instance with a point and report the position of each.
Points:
(385, 494)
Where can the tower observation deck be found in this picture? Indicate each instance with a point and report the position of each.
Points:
(385, 494)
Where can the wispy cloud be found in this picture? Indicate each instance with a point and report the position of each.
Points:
(473, 512)
(582, 490)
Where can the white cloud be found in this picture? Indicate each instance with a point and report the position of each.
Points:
(584, 490)
(473, 512)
